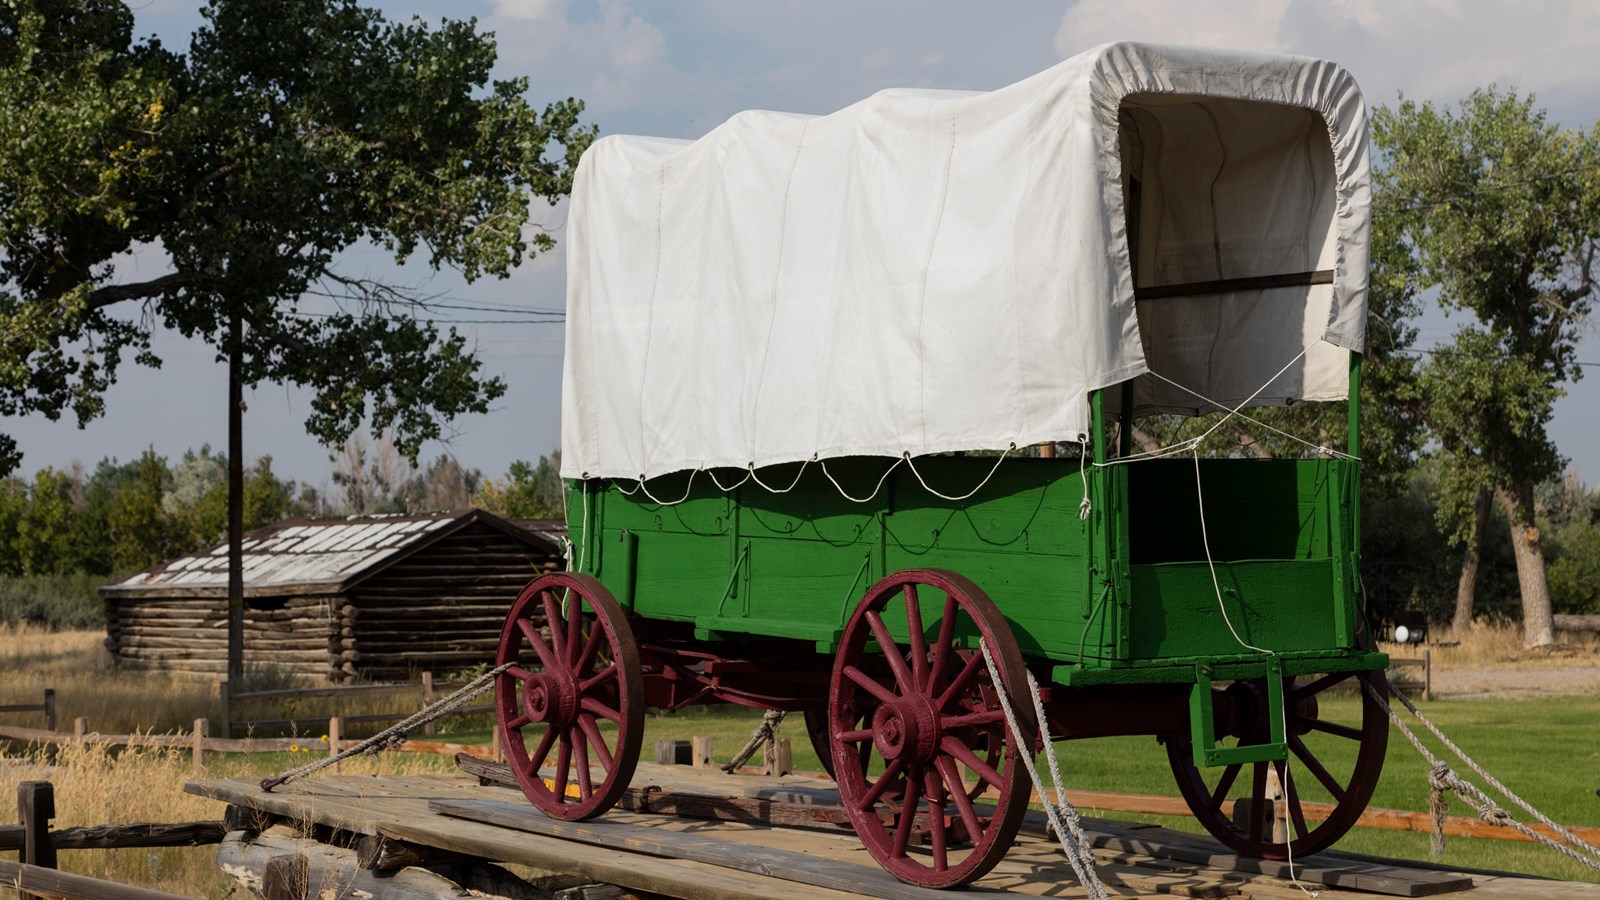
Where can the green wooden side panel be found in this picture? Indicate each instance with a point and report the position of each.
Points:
(1128, 586)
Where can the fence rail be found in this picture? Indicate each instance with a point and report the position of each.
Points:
(48, 707)
(35, 874)
(1423, 682)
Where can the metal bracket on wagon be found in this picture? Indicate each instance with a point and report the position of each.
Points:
(1203, 728)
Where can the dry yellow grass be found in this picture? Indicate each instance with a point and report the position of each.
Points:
(77, 666)
(100, 785)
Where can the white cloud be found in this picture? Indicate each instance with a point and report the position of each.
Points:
(530, 10)
(1254, 24)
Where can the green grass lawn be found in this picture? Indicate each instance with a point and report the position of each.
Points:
(1546, 750)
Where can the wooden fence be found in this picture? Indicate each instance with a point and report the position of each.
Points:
(34, 874)
(1423, 683)
(48, 707)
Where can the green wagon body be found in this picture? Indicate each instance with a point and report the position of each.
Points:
(1123, 596)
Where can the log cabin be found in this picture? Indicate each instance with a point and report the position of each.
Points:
(368, 597)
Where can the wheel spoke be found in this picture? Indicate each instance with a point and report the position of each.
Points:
(553, 621)
(601, 710)
(1301, 751)
(943, 645)
(536, 641)
(598, 678)
(590, 648)
(563, 765)
(934, 788)
(574, 628)
(519, 673)
(1224, 783)
(969, 759)
(908, 815)
(854, 737)
(536, 760)
(891, 652)
(580, 743)
(958, 795)
(987, 717)
(1344, 731)
(1258, 796)
(591, 730)
(919, 641)
(960, 682)
(1291, 799)
(890, 773)
(517, 721)
(1312, 688)
(869, 685)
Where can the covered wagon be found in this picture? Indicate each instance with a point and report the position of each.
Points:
(808, 360)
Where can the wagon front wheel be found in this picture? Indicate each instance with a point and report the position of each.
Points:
(1337, 736)
(913, 723)
(570, 709)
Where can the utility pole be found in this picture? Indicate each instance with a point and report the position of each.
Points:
(235, 501)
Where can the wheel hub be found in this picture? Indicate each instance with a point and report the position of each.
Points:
(907, 728)
(551, 697)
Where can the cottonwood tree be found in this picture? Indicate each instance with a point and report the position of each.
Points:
(287, 133)
(1502, 209)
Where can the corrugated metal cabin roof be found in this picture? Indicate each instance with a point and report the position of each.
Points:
(298, 556)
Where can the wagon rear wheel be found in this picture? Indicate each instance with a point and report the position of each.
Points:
(932, 721)
(573, 701)
(1336, 741)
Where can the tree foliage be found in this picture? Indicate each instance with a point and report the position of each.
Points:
(289, 132)
(528, 491)
(1501, 209)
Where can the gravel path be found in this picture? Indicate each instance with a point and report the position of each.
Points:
(1505, 683)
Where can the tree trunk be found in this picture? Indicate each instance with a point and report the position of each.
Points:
(1467, 587)
(1538, 624)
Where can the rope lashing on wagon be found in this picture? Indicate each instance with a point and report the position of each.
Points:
(394, 735)
(764, 733)
(1442, 778)
(1062, 814)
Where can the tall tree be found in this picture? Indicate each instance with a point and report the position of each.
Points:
(290, 131)
(1502, 208)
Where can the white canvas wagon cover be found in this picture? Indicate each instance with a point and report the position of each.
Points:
(928, 271)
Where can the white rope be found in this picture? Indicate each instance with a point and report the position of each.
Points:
(846, 494)
(1283, 712)
(1074, 843)
(736, 485)
(1084, 505)
(1319, 448)
(1442, 778)
(792, 485)
(1002, 458)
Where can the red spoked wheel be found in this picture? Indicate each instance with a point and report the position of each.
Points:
(909, 723)
(573, 698)
(1336, 750)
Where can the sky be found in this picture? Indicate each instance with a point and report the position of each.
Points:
(679, 69)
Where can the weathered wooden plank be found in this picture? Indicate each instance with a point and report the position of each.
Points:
(788, 865)
(107, 837)
(55, 883)
(1349, 874)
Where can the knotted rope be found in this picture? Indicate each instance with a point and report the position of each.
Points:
(764, 733)
(1442, 778)
(1062, 814)
(394, 735)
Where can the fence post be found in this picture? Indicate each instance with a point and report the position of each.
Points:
(49, 709)
(427, 698)
(335, 736)
(80, 727)
(1427, 674)
(201, 729)
(225, 698)
(703, 758)
(36, 806)
(777, 757)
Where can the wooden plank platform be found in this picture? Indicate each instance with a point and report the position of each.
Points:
(679, 856)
